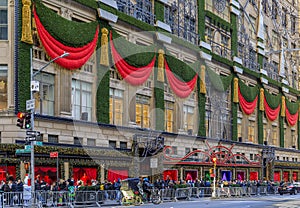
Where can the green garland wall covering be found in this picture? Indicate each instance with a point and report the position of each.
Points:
(201, 109)
(23, 69)
(102, 103)
(272, 100)
(291, 106)
(234, 113)
(134, 54)
(70, 33)
(201, 18)
(218, 21)
(249, 93)
(159, 11)
(260, 128)
(234, 36)
(159, 102)
(219, 82)
(180, 68)
(281, 131)
(89, 3)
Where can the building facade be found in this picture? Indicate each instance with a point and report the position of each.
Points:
(152, 87)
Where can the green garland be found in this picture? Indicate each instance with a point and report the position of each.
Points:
(260, 127)
(219, 82)
(89, 3)
(159, 101)
(133, 54)
(272, 100)
(180, 68)
(234, 34)
(159, 10)
(292, 106)
(218, 21)
(201, 18)
(70, 33)
(249, 93)
(281, 131)
(201, 109)
(234, 112)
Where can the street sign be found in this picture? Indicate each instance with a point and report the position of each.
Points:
(33, 133)
(53, 154)
(38, 143)
(27, 147)
(35, 86)
(30, 138)
(30, 104)
(22, 151)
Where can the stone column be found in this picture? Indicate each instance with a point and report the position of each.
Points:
(66, 170)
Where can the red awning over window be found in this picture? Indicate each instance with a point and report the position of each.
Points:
(171, 174)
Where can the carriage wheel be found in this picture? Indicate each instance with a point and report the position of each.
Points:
(138, 200)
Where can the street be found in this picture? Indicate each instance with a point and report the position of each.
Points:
(272, 201)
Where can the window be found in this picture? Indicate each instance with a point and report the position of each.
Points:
(252, 27)
(141, 10)
(112, 144)
(293, 24)
(275, 40)
(53, 138)
(251, 131)
(174, 150)
(3, 20)
(116, 106)
(284, 17)
(187, 150)
(91, 142)
(3, 86)
(78, 140)
(44, 99)
(239, 129)
(188, 118)
(181, 15)
(275, 135)
(142, 110)
(169, 116)
(123, 145)
(81, 100)
(195, 154)
(294, 138)
(251, 156)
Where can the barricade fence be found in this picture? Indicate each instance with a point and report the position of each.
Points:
(87, 198)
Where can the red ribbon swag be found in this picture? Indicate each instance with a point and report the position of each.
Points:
(132, 75)
(78, 56)
(180, 88)
(271, 114)
(247, 107)
(291, 119)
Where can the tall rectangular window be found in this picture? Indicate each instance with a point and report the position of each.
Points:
(3, 20)
(251, 131)
(81, 100)
(142, 110)
(169, 116)
(239, 129)
(275, 135)
(44, 99)
(116, 106)
(3, 86)
(188, 117)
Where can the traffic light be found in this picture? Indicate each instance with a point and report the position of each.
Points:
(28, 121)
(20, 121)
(214, 160)
(211, 171)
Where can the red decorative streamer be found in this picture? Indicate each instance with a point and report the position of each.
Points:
(271, 114)
(247, 107)
(291, 119)
(132, 75)
(77, 57)
(180, 88)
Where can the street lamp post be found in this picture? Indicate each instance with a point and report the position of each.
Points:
(214, 160)
(32, 75)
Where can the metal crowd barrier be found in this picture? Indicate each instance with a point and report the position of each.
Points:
(114, 197)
